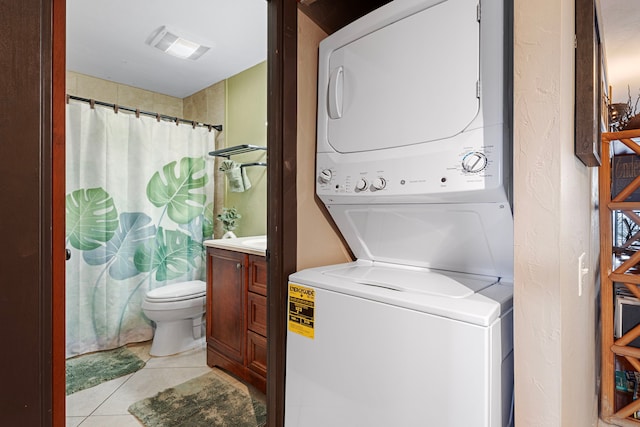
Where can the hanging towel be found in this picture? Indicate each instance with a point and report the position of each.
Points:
(245, 179)
(236, 176)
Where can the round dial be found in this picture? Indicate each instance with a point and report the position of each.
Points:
(362, 184)
(326, 175)
(474, 162)
(379, 183)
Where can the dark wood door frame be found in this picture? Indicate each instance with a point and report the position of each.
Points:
(281, 209)
(281, 221)
(58, 179)
(32, 256)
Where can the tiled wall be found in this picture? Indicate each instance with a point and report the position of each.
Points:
(208, 106)
(127, 96)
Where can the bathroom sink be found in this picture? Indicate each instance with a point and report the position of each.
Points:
(259, 243)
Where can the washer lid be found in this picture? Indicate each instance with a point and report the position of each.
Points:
(479, 300)
(419, 281)
(178, 291)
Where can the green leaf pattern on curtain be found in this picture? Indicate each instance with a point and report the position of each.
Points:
(130, 244)
(208, 221)
(138, 194)
(91, 218)
(137, 247)
(178, 191)
(135, 229)
(170, 255)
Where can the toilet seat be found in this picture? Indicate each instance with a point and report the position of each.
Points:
(177, 292)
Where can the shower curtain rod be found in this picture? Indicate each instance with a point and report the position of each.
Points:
(158, 116)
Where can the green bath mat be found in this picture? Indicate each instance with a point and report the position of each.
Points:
(207, 400)
(89, 370)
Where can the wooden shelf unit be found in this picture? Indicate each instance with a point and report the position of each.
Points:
(617, 266)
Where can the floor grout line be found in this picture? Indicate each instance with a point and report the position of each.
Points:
(190, 364)
(114, 392)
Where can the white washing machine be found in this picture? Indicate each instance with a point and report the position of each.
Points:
(362, 352)
(413, 164)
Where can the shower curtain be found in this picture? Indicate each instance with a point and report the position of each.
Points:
(139, 203)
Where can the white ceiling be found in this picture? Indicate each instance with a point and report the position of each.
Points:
(620, 28)
(106, 39)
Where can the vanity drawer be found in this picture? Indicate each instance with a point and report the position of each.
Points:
(257, 275)
(257, 313)
(257, 353)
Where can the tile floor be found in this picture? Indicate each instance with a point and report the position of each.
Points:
(106, 404)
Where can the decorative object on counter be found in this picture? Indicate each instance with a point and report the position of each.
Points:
(206, 400)
(236, 176)
(624, 116)
(229, 218)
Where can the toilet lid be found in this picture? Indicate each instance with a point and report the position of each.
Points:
(178, 291)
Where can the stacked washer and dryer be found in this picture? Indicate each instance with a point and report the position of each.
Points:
(414, 166)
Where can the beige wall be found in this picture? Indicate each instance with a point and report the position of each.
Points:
(555, 222)
(318, 244)
(127, 96)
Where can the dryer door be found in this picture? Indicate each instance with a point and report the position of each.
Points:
(412, 81)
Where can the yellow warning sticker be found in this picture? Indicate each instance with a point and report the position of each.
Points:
(302, 302)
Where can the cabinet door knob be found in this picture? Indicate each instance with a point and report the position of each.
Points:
(238, 266)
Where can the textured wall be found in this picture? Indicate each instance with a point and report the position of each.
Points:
(555, 222)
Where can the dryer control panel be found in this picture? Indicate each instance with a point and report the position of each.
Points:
(430, 175)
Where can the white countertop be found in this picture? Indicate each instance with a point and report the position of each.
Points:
(254, 245)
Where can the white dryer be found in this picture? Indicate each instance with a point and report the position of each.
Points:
(413, 165)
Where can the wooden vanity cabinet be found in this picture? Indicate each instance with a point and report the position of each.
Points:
(237, 314)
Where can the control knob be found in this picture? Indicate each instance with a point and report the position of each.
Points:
(379, 183)
(474, 162)
(362, 184)
(325, 176)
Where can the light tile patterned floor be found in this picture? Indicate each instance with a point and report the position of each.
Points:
(106, 404)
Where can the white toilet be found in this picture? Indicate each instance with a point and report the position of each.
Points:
(177, 310)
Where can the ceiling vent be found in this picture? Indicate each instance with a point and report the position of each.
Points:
(169, 42)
